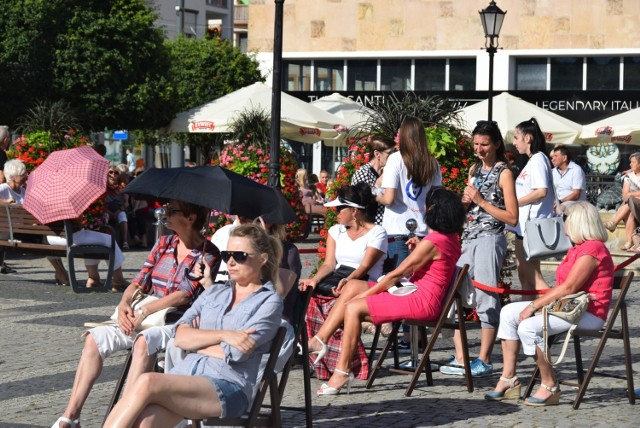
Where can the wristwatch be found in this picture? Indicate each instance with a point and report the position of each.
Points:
(533, 306)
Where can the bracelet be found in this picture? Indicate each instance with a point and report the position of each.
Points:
(533, 306)
(142, 312)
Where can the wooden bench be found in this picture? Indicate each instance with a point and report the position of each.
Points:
(20, 232)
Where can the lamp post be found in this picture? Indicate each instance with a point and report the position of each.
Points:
(491, 17)
(276, 99)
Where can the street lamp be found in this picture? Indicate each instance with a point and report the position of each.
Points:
(492, 17)
(276, 98)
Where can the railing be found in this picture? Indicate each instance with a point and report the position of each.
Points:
(241, 13)
(597, 184)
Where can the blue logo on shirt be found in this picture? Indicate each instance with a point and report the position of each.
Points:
(413, 192)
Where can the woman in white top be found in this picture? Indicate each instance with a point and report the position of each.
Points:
(406, 180)
(629, 211)
(534, 190)
(12, 192)
(355, 250)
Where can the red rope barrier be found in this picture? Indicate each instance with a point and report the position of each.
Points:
(499, 290)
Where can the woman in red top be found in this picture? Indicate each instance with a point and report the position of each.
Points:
(587, 267)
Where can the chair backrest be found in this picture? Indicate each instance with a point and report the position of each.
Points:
(621, 283)
(454, 289)
(269, 382)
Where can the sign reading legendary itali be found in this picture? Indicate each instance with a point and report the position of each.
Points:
(579, 106)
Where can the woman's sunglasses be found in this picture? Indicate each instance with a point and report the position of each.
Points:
(168, 211)
(239, 256)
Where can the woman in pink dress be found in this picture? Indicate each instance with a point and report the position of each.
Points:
(432, 262)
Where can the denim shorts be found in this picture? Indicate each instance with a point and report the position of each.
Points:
(233, 402)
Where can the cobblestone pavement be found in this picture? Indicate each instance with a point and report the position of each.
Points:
(40, 345)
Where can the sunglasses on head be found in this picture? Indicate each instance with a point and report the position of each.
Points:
(239, 256)
(487, 122)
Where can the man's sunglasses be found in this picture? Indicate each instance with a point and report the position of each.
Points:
(239, 256)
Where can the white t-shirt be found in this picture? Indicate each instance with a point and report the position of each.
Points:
(408, 202)
(535, 175)
(572, 179)
(220, 239)
(351, 252)
(7, 192)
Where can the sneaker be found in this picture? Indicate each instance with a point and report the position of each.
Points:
(453, 367)
(125, 245)
(404, 347)
(478, 368)
(408, 365)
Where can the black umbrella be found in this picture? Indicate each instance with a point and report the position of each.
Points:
(216, 188)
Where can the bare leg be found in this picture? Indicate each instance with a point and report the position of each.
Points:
(510, 350)
(89, 369)
(335, 319)
(621, 214)
(630, 228)
(529, 272)
(141, 362)
(61, 273)
(547, 375)
(192, 397)
(94, 275)
(355, 312)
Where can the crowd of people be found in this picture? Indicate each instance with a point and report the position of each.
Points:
(394, 222)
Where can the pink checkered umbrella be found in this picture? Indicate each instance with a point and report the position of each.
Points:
(65, 184)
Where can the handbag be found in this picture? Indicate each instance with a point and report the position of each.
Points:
(155, 319)
(326, 286)
(570, 308)
(545, 237)
(402, 287)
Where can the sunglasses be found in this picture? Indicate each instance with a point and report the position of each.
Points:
(168, 211)
(487, 122)
(112, 172)
(239, 256)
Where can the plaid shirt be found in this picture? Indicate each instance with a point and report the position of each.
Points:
(162, 275)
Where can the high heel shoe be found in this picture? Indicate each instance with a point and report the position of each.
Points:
(511, 393)
(61, 282)
(321, 352)
(329, 390)
(550, 401)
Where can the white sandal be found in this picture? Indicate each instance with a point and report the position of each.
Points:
(72, 423)
(325, 389)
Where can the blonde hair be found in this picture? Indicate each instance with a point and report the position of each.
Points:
(262, 243)
(301, 173)
(583, 223)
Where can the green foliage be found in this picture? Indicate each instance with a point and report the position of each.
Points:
(54, 117)
(205, 69)
(252, 126)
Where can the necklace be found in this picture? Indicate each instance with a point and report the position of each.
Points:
(484, 180)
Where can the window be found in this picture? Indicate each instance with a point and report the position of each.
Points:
(631, 72)
(603, 73)
(430, 74)
(395, 75)
(531, 73)
(217, 3)
(566, 73)
(297, 75)
(329, 75)
(361, 75)
(462, 74)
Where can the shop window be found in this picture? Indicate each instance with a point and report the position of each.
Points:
(462, 74)
(329, 75)
(297, 75)
(395, 75)
(566, 73)
(361, 75)
(531, 74)
(603, 73)
(631, 72)
(430, 74)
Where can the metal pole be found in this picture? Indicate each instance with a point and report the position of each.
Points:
(276, 99)
(491, 50)
(180, 18)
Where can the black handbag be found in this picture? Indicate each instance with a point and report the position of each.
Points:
(331, 281)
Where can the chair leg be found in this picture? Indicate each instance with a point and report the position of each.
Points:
(423, 361)
(119, 385)
(393, 337)
(532, 382)
(374, 345)
(592, 367)
(627, 356)
(465, 345)
(306, 376)
(578, 353)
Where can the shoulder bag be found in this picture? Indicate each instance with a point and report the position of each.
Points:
(570, 308)
(545, 237)
(326, 286)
